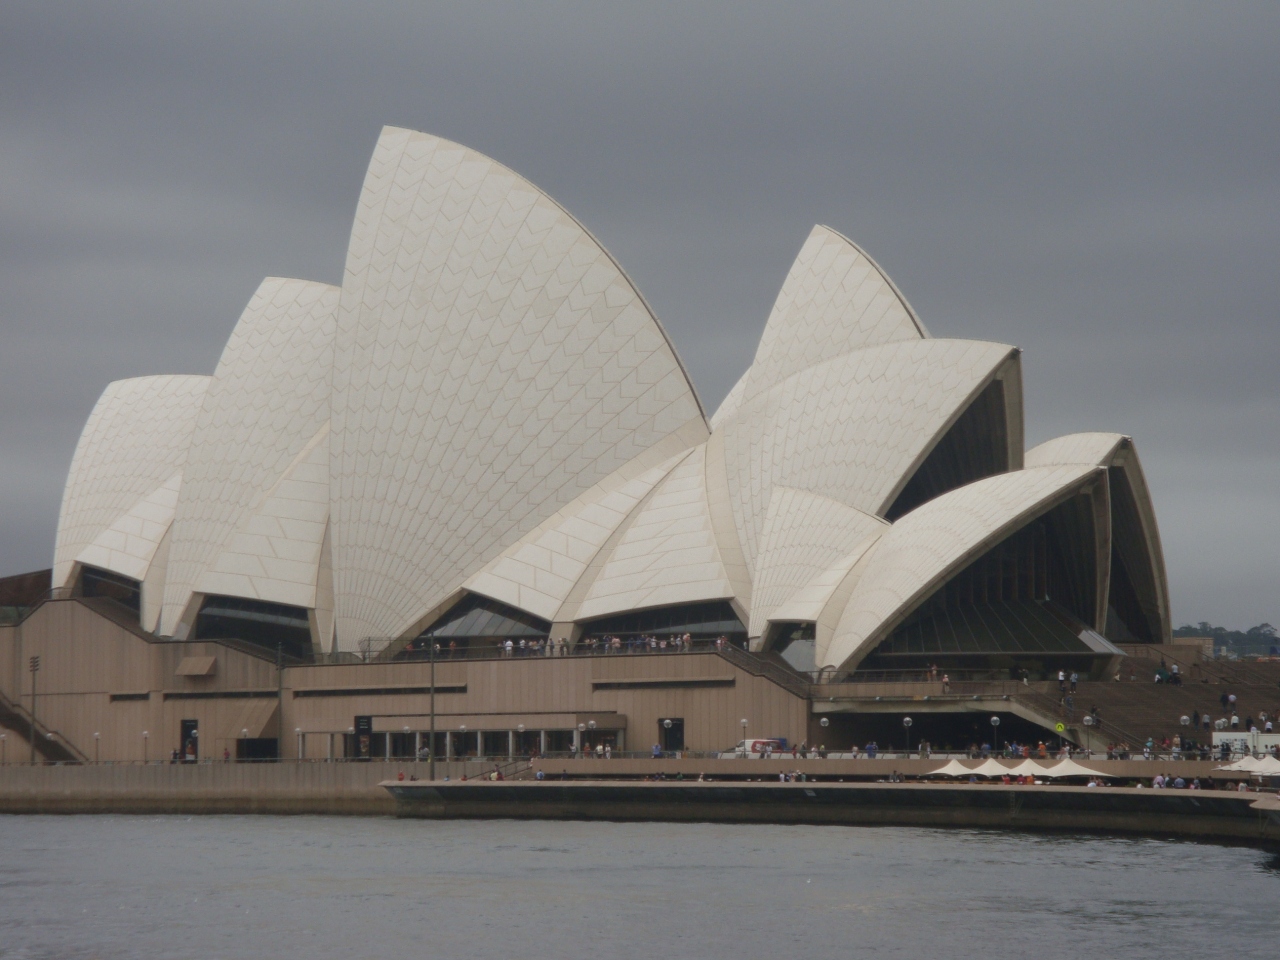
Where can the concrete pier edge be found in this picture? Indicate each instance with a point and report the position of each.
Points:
(1214, 816)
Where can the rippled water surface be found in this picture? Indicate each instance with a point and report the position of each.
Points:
(319, 887)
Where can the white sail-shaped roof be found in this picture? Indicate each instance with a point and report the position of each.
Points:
(1118, 451)
(1097, 448)
(538, 572)
(274, 555)
(668, 553)
(804, 536)
(814, 601)
(488, 406)
(926, 546)
(493, 362)
(834, 300)
(134, 442)
(852, 428)
(267, 401)
(729, 405)
(129, 544)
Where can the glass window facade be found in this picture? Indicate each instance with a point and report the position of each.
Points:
(702, 621)
(103, 583)
(263, 624)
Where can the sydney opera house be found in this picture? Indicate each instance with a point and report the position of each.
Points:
(483, 443)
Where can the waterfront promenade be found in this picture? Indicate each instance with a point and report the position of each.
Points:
(1218, 815)
(353, 787)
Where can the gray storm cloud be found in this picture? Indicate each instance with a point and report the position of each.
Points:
(1098, 185)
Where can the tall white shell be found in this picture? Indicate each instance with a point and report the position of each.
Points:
(493, 362)
(834, 300)
(851, 428)
(804, 535)
(539, 572)
(667, 554)
(135, 441)
(1117, 451)
(267, 401)
(921, 550)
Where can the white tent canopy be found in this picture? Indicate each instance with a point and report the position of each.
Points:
(1069, 768)
(1027, 768)
(990, 768)
(1245, 764)
(1268, 767)
(1263, 767)
(952, 768)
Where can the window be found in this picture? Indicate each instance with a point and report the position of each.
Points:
(265, 625)
(103, 583)
(701, 620)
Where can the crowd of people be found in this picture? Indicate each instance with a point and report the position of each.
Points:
(564, 647)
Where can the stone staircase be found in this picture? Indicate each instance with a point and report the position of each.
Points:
(50, 747)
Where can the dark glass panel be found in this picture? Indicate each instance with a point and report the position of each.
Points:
(263, 624)
(103, 583)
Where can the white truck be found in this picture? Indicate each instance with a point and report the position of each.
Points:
(757, 749)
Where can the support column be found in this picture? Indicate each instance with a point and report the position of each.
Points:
(417, 744)
(448, 744)
(511, 744)
(388, 744)
(542, 743)
(331, 748)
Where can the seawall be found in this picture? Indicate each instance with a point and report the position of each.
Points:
(353, 788)
(276, 788)
(1204, 815)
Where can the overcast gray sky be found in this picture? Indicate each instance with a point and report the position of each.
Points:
(1096, 183)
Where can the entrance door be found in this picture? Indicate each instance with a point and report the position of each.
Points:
(189, 745)
(364, 737)
(671, 733)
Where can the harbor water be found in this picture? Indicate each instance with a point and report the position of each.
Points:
(350, 887)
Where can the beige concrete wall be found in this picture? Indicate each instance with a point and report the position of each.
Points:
(211, 787)
(90, 662)
(706, 691)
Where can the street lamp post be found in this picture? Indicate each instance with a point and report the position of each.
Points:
(4, 749)
(297, 732)
(97, 741)
(746, 747)
(34, 665)
(145, 737)
(995, 731)
(906, 726)
(431, 749)
(582, 729)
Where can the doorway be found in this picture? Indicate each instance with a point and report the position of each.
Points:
(671, 734)
(189, 744)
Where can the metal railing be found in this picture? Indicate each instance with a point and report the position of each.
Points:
(789, 680)
(375, 650)
(18, 719)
